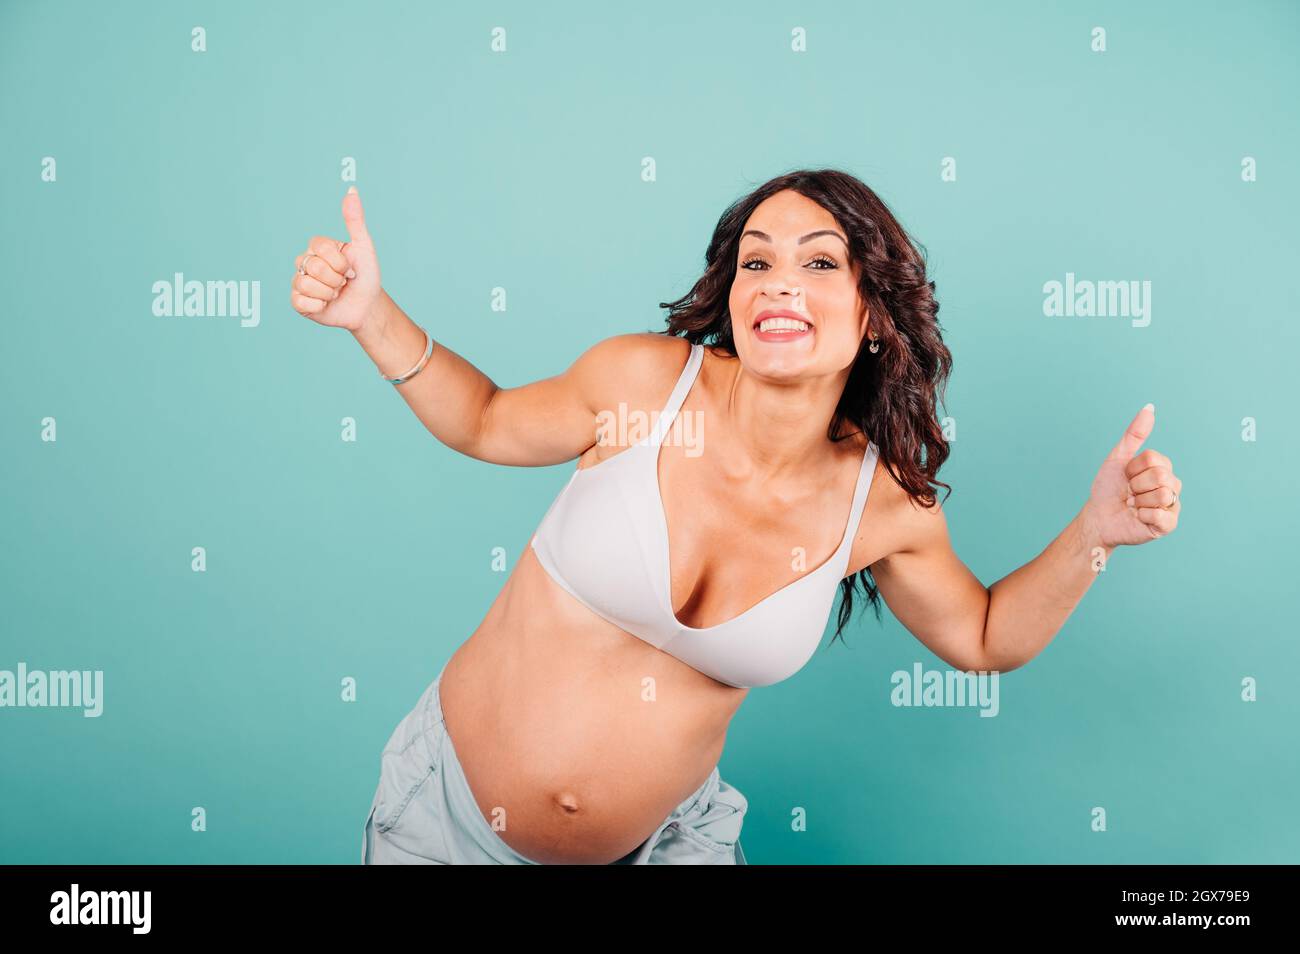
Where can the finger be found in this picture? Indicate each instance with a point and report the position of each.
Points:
(331, 250)
(1162, 521)
(1150, 479)
(1161, 497)
(319, 269)
(349, 273)
(314, 288)
(304, 305)
(343, 249)
(354, 216)
(1137, 432)
(1148, 458)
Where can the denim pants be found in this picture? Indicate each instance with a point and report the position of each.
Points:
(424, 813)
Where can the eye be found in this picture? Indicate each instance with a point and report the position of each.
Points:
(820, 258)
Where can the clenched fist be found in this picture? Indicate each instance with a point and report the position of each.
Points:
(338, 282)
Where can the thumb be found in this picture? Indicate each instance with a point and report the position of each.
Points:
(355, 217)
(1138, 431)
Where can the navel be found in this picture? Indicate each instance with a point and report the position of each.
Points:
(568, 803)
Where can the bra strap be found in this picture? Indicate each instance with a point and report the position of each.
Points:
(865, 473)
(675, 400)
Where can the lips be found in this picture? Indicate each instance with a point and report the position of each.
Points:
(784, 328)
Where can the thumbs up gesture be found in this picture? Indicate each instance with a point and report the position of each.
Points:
(338, 282)
(1134, 496)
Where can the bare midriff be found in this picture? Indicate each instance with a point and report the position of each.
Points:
(581, 736)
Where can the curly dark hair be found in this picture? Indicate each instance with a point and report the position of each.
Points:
(890, 395)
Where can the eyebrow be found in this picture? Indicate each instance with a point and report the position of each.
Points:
(807, 238)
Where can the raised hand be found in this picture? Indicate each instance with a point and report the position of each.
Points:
(338, 282)
(1134, 496)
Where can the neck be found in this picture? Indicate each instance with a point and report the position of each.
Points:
(782, 427)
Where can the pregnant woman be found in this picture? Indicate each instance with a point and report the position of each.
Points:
(777, 442)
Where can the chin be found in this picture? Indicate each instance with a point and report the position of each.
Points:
(776, 362)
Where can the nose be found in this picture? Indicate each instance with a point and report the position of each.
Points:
(778, 280)
(779, 288)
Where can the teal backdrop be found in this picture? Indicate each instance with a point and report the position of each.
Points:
(525, 169)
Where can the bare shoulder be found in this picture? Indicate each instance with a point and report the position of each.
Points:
(639, 369)
(893, 522)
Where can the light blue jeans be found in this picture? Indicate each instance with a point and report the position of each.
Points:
(424, 813)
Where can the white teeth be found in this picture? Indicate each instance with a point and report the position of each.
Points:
(782, 324)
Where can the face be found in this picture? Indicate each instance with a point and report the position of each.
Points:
(793, 260)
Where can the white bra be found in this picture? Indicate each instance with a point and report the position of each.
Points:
(604, 539)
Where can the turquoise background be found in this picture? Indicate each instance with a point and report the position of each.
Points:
(372, 560)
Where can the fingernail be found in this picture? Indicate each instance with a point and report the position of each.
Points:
(351, 273)
(1152, 406)
(352, 188)
(336, 293)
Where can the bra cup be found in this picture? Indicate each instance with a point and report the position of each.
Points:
(592, 543)
(767, 643)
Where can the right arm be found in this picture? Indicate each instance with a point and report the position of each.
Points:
(545, 422)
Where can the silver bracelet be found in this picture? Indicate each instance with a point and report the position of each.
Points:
(428, 350)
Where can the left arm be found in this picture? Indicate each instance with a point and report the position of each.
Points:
(1028, 606)
(1134, 500)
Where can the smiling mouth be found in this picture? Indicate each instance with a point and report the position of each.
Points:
(782, 324)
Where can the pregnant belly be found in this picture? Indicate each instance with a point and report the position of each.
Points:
(576, 738)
